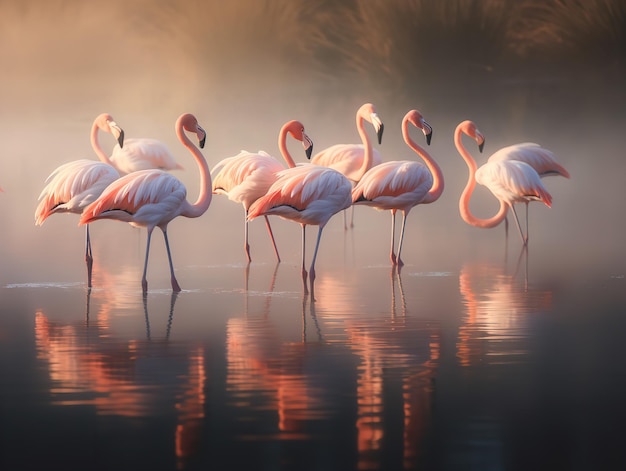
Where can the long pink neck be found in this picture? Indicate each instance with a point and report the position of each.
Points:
(466, 214)
(282, 146)
(437, 189)
(368, 156)
(204, 199)
(95, 144)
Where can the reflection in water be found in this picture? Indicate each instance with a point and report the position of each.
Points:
(497, 305)
(267, 372)
(388, 346)
(89, 365)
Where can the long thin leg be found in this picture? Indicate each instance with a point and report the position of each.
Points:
(304, 273)
(144, 280)
(524, 238)
(175, 285)
(399, 260)
(88, 257)
(312, 270)
(392, 254)
(352, 216)
(246, 246)
(526, 202)
(269, 230)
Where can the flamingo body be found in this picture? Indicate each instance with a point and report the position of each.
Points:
(72, 187)
(142, 154)
(539, 158)
(346, 159)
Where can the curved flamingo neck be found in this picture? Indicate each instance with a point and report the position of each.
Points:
(95, 144)
(437, 189)
(282, 146)
(464, 209)
(368, 155)
(203, 202)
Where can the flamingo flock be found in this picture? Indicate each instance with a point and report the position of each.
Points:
(134, 184)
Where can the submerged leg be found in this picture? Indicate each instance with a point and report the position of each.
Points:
(269, 230)
(175, 285)
(88, 256)
(392, 253)
(144, 280)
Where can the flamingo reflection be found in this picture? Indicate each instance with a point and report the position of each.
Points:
(398, 342)
(268, 371)
(89, 364)
(497, 306)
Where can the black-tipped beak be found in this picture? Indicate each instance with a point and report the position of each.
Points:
(380, 133)
(120, 140)
(309, 151)
(202, 141)
(429, 136)
(480, 146)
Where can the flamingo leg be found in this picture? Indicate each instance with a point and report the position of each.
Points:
(144, 279)
(352, 216)
(312, 270)
(246, 246)
(524, 238)
(400, 262)
(304, 273)
(392, 254)
(345, 220)
(269, 230)
(88, 257)
(526, 221)
(175, 285)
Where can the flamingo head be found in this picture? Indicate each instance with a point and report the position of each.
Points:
(416, 119)
(469, 127)
(190, 124)
(106, 123)
(296, 130)
(368, 112)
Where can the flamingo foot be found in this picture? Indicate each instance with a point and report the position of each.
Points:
(304, 278)
(392, 257)
(175, 286)
(89, 261)
(247, 250)
(144, 286)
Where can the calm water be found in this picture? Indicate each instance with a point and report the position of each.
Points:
(491, 362)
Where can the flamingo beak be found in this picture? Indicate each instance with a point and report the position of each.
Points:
(428, 132)
(308, 145)
(378, 126)
(481, 145)
(201, 137)
(117, 132)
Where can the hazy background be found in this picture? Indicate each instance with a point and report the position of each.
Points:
(549, 72)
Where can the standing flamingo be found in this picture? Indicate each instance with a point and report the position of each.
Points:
(247, 176)
(348, 158)
(307, 194)
(510, 182)
(152, 198)
(74, 185)
(542, 160)
(402, 184)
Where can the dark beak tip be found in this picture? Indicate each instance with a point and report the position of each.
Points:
(429, 136)
(202, 143)
(309, 152)
(380, 134)
(120, 139)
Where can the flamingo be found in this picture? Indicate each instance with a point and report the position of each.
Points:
(510, 181)
(348, 158)
(74, 185)
(308, 194)
(152, 198)
(402, 184)
(541, 159)
(247, 176)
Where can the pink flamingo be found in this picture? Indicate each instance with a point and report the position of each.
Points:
(307, 194)
(74, 185)
(510, 181)
(348, 158)
(247, 176)
(542, 160)
(402, 184)
(152, 198)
